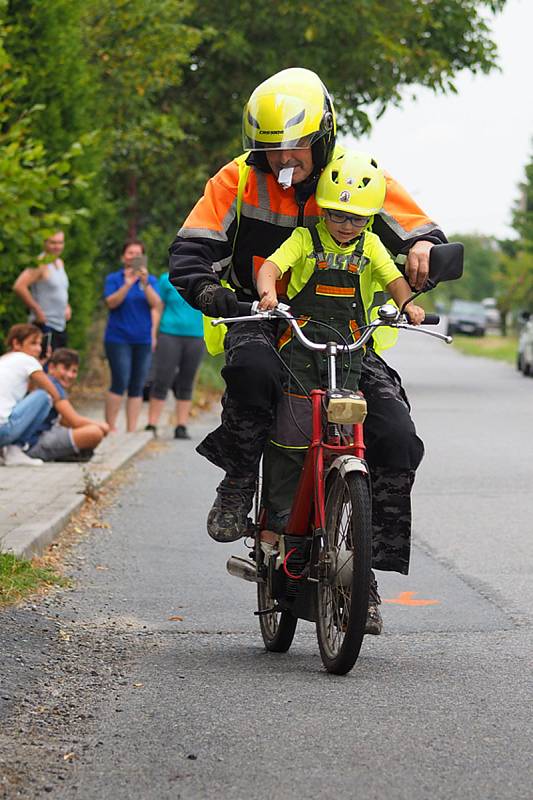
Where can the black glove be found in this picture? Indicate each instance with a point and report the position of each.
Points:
(216, 301)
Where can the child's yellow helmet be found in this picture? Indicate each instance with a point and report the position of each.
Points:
(289, 110)
(352, 183)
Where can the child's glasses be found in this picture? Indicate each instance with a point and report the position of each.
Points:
(354, 219)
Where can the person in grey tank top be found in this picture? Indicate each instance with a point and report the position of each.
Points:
(44, 290)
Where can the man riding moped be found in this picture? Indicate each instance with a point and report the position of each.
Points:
(249, 208)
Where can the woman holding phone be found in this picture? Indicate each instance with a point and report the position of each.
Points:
(131, 294)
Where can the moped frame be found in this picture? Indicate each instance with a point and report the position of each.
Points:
(306, 516)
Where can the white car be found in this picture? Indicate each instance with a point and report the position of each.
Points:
(524, 361)
(492, 315)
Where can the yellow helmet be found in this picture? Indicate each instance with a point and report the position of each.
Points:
(352, 183)
(291, 109)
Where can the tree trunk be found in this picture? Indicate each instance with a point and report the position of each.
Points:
(133, 208)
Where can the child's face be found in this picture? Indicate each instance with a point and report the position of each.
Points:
(31, 345)
(348, 228)
(63, 374)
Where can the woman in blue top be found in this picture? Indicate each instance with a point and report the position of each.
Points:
(180, 347)
(133, 300)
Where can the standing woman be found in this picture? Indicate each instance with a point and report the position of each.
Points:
(179, 351)
(44, 290)
(132, 298)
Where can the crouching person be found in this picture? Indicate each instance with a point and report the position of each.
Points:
(26, 395)
(66, 436)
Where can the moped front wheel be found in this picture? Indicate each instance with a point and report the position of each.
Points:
(344, 571)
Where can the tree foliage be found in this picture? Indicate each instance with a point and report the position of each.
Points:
(523, 212)
(141, 100)
(48, 116)
(482, 259)
(36, 189)
(366, 51)
(514, 278)
(142, 115)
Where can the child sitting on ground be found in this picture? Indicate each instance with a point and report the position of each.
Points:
(67, 436)
(336, 267)
(21, 413)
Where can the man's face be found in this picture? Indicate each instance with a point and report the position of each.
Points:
(63, 374)
(55, 244)
(301, 159)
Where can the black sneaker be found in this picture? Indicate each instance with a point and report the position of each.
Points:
(151, 428)
(374, 620)
(180, 432)
(228, 519)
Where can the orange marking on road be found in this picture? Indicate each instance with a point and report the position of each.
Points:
(408, 599)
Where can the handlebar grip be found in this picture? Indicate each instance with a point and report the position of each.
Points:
(245, 309)
(431, 319)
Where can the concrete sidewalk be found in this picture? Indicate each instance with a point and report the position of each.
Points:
(37, 502)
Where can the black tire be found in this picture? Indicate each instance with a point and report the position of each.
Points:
(526, 368)
(342, 606)
(519, 364)
(277, 628)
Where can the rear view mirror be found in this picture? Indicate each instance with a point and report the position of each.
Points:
(445, 264)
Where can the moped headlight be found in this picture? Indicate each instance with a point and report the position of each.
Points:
(347, 410)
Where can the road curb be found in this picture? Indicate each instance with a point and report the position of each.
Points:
(32, 535)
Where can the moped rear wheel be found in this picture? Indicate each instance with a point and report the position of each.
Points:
(344, 565)
(277, 627)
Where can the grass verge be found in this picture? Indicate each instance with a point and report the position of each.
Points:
(501, 348)
(209, 377)
(210, 384)
(20, 578)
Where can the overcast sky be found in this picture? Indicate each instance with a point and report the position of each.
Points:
(462, 156)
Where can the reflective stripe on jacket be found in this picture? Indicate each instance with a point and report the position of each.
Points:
(215, 242)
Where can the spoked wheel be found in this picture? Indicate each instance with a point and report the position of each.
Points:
(277, 627)
(345, 563)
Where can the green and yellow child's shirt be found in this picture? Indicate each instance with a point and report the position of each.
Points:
(378, 270)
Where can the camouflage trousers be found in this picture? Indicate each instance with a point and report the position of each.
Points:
(393, 453)
(253, 386)
(253, 376)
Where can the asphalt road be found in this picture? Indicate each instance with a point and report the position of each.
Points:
(148, 680)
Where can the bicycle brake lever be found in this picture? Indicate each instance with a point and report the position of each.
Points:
(407, 327)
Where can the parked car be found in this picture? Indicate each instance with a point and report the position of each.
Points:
(524, 360)
(492, 315)
(466, 316)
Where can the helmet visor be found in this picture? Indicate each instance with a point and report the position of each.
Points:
(283, 122)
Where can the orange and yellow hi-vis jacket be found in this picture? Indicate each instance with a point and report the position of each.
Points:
(244, 215)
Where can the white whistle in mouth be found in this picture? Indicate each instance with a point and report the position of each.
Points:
(285, 177)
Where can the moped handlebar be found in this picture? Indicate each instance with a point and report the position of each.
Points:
(245, 308)
(387, 315)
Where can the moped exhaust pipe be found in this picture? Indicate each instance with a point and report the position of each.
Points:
(241, 568)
